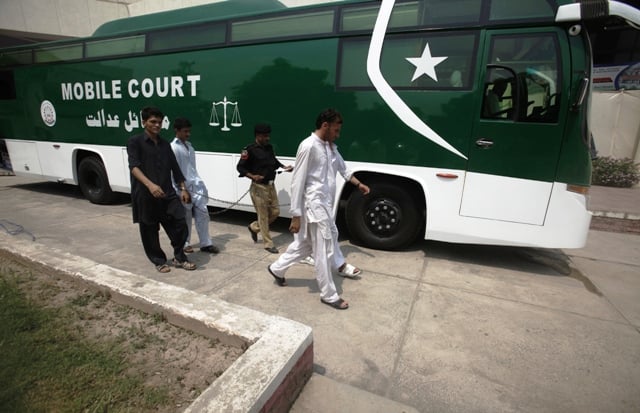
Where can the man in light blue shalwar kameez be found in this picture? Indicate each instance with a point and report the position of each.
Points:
(186, 157)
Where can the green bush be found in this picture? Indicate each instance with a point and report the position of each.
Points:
(620, 173)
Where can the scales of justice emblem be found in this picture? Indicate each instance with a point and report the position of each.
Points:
(214, 120)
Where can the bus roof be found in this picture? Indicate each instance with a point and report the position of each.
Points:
(220, 10)
(188, 15)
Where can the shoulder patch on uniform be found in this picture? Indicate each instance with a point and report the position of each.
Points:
(244, 154)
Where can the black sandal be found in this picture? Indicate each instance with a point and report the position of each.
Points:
(280, 280)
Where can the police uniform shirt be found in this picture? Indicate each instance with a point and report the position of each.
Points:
(259, 160)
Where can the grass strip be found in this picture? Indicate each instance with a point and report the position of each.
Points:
(46, 365)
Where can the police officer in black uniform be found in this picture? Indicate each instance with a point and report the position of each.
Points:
(258, 162)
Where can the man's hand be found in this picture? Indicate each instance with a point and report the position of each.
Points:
(294, 227)
(287, 168)
(364, 189)
(185, 197)
(156, 191)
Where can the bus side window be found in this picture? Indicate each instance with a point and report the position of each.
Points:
(531, 62)
(499, 92)
(453, 73)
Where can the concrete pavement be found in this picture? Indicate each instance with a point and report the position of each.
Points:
(621, 203)
(437, 328)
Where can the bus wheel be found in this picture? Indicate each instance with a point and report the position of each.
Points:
(93, 181)
(388, 218)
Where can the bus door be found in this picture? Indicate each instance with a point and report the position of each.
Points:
(517, 136)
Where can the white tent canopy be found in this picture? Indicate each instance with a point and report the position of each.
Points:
(615, 123)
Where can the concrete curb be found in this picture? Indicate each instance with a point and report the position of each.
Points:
(618, 215)
(268, 377)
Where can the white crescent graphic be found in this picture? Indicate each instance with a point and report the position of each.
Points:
(386, 91)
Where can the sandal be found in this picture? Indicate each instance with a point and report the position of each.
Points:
(186, 265)
(188, 249)
(349, 270)
(212, 249)
(308, 260)
(163, 268)
(340, 304)
(280, 280)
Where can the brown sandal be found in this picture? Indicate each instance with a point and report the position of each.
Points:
(340, 304)
(186, 265)
(163, 268)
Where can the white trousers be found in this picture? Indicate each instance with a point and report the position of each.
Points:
(338, 257)
(197, 210)
(311, 240)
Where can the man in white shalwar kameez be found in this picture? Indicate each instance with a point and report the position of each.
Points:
(186, 157)
(313, 189)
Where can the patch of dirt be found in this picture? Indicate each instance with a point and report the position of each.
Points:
(161, 354)
(631, 226)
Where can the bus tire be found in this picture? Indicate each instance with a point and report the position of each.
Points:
(387, 218)
(94, 182)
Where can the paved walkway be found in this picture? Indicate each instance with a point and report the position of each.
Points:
(438, 327)
(615, 202)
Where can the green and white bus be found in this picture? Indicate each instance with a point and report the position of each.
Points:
(467, 118)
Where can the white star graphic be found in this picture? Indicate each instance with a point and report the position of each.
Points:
(425, 64)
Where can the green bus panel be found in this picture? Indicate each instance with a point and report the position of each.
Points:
(285, 84)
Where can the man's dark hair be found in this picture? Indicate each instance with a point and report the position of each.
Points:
(329, 116)
(262, 128)
(150, 111)
(181, 123)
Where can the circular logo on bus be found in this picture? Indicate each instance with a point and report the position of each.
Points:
(48, 113)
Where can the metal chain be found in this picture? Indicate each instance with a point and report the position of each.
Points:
(233, 204)
(226, 202)
(15, 228)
